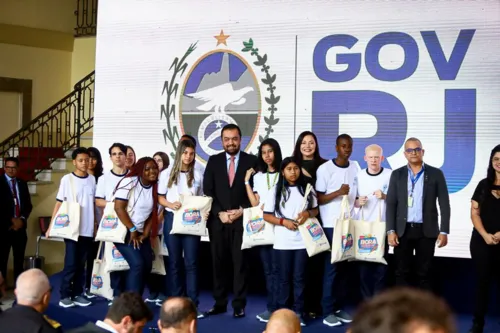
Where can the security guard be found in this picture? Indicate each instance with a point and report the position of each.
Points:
(33, 295)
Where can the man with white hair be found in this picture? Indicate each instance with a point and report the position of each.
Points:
(283, 321)
(33, 295)
(373, 183)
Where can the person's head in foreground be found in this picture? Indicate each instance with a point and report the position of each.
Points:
(128, 313)
(178, 314)
(403, 310)
(33, 289)
(283, 321)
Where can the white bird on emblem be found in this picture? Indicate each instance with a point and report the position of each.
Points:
(219, 97)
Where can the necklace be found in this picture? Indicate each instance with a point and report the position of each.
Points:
(274, 180)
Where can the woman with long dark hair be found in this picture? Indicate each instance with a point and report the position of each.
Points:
(162, 160)
(485, 239)
(136, 205)
(265, 178)
(95, 169)
(130, 157)
(181, 179)
(307, 154)
(283, 209)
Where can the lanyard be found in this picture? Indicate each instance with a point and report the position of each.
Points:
(414, 180)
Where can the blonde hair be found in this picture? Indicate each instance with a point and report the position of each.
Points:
(177, 165)
(374, 147)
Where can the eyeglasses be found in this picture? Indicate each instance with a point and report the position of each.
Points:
(417, 150)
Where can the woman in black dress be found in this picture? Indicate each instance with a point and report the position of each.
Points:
(307, 154)
(485, 239)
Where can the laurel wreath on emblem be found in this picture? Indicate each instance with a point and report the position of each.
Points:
(171, 87)
(272, 99)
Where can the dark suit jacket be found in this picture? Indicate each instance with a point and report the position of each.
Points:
(7, 202)
(216, 185)
(434, 188)
(89, 328)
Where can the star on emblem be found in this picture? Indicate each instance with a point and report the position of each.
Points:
(218, 124)
(221, 39)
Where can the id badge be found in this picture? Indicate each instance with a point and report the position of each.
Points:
(15, 201)
(410, 201)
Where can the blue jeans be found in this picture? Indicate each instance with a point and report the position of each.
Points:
(267, 255)
(140, 262)
(75, 256)
(292, 263)
(372, 276)
(158, 284)
(177, 245)
(335, 282)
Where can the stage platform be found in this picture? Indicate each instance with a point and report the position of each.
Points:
(74, 317)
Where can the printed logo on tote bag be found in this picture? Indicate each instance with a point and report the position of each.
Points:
(315, 230)
(61, 221)
(117, 256)
(97, 282)
(109, 222)
(367, 244)
(255, 225)
(347, 242)
(191, 216)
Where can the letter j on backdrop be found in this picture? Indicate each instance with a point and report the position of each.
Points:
(388, 110)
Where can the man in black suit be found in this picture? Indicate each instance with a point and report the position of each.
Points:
(412, 215)
(15, 211)
(128, 313)
(224, 181)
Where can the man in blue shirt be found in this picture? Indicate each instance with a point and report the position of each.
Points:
(412, 216)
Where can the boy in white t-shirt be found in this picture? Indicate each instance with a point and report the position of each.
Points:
(373, 183)
(335, 179)
(106, 186)
(79, 186)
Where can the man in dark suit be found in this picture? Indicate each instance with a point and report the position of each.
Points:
(224, 181)
(128, 313)
(15, 211)
(412, 215)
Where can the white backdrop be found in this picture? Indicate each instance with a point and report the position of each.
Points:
(138, 41)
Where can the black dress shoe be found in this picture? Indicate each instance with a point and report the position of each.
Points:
(239, 313)
(216, 310)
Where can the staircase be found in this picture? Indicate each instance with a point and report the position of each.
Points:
(52, 134)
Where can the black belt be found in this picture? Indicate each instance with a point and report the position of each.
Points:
(415, 225)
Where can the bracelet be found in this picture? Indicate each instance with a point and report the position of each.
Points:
(133, 229)
(281, 221)
(247, 183)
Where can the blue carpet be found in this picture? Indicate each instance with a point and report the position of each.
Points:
(75, 317)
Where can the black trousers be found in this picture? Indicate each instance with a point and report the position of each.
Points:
(414, 240)
(225, 243)
(486, 259)
(17, 241)
(91, 255)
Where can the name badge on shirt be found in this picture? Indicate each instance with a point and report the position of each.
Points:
(410, 201)
(15, 201)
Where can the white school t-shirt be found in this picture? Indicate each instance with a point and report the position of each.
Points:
(329, 178)
(142, 200)
(197, 167)
(285, 239)
(261, 186)
(172, 193)
(106, 184)
(84, 192)
(367, 184)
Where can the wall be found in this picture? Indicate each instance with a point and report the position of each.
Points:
(83, 58)
(10, 109)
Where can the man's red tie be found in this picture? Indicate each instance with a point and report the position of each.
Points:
(14, 194)
(231, 172)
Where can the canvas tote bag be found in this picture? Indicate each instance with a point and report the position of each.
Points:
(111, 229)
(101, 283)
(312, 234)
(343, 234)
(163, 247)
(66, 223)
(189, 219)
(114, 260)
(256, 231)
(158, 262)
(369, 238)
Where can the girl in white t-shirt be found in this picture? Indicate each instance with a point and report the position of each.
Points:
(139, 187)
(265, 178)
(283, 210)
(181, 178)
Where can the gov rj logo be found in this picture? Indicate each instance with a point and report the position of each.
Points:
(221, 87)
